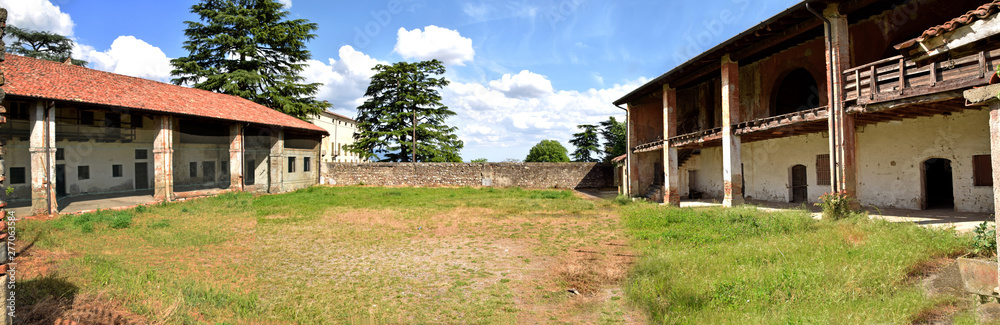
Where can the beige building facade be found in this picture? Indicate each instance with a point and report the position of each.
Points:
(341, 129)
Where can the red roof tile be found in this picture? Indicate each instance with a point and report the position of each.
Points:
(57, 81)
(969, 17)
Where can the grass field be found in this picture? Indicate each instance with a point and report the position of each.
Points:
(333, 255)
(491, 256)
(743, 266)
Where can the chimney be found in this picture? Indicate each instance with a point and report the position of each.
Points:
(69, 60)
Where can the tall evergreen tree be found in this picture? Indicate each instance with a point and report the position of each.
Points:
(587, 144)
(613, 133)
(401, 96)
(247, 48)
(41, 45)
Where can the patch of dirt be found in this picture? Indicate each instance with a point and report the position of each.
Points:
(938, 314)
(852, 234)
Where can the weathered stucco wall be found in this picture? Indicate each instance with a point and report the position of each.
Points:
(526, 175)
(767, 167)
(891, 155)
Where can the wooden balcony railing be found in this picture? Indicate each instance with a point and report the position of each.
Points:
(897, 78)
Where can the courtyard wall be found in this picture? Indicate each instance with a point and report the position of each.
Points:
(525, 175)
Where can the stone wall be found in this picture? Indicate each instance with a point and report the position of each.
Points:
(525, 175)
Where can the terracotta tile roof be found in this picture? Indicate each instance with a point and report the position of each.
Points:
(619, 158)
(36, 78)
(980, 12)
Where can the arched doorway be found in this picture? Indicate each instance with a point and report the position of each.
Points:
(798, 91)
(939, 192)
(800, 187)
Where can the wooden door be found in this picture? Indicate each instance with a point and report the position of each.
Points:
(800, 187)
(141, 176)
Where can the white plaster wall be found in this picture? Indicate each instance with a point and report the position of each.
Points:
(300, 178)
(184, 154)
(767, 167)
(890, 157)
(341, 134)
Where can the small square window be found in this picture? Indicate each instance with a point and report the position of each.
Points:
(17, 175)
(291, 164)
(86, 118)
(193, 169)
(116, 170)
(60, 154)
(82, 172)
(141, 154)
(136, 121)
(306, 164)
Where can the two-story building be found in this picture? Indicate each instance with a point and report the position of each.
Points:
(341, 129)
(859, 96)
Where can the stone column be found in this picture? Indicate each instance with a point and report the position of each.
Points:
(841, 124)
(236, 147)
(671, 193)
(631, 164)
(163, 159)
(732, 169)
(995, 164)
(277, 161)
(42, 161)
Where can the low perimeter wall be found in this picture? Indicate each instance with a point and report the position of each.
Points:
(525, 175)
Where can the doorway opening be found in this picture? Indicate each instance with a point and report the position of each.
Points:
(800, 187)
(939, 192)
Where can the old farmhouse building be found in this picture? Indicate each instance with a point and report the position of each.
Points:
(860, 96)
(78, 132)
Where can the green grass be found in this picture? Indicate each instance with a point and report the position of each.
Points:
(743, 266)
(324, 255)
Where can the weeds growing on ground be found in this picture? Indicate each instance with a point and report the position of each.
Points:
(743, 266)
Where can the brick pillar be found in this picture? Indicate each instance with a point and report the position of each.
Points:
(5, 319)
(841, 124)
(42, 159)
(631, 164)
(671, 193)
(995, 163)
(732, 169)
(236, 145)
(277, 161)
(163, 159)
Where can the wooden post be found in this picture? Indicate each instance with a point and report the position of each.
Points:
(732, 162)
(671, 176)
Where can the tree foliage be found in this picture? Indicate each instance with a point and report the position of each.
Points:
(397, 95)
(587, 144)
(547, 151)
(41, 45)
(614, 136)
(248, 48)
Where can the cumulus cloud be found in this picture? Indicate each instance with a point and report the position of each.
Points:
(492, 116)
(128, 56)
(286, 3)
(344, 79)
(434, 43)
(525, 84)
(38, 15)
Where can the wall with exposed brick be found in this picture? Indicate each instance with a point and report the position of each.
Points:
(525, 175)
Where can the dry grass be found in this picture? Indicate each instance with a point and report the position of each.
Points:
(349, 255)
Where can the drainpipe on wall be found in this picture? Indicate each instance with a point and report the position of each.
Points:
(835, 183)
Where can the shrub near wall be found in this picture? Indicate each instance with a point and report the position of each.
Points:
(525, 175)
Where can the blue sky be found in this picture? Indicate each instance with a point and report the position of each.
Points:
(521, 71)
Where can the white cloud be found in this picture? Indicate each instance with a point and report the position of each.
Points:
(492, 117)
(525, 84)
(434, 43)
(38, 15)
(286, 3)
(128, 56)
(344, 80)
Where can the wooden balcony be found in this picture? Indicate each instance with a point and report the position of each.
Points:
(896, 78)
